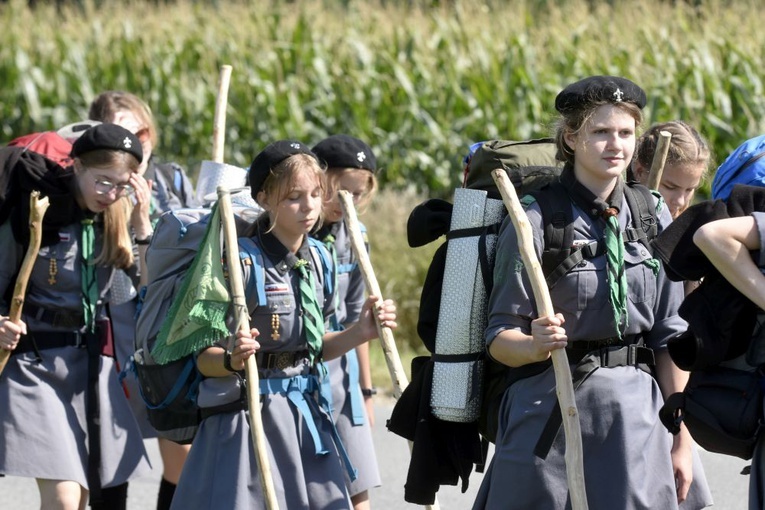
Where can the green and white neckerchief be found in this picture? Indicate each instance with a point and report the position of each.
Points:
(313, 319)
(89, 281)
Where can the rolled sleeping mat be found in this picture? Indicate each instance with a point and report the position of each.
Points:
(213, 174)
(458, 360)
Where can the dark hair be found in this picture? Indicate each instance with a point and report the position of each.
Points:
(572, 122)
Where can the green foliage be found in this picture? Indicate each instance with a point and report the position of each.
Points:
(420, 80)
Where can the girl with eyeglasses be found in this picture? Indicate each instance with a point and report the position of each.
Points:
(64, 416)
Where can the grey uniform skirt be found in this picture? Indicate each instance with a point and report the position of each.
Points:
(43, 419)
(357, 439)
(123, 326)
(221, 470)
(627, 463)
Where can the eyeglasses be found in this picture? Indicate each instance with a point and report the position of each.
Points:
(104, 187)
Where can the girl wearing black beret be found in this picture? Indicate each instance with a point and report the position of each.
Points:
(65, 418)
(350, 166)
(290, 337)
(615, 313)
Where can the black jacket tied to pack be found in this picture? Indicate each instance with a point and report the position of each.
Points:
(23, 171)
(720, 318)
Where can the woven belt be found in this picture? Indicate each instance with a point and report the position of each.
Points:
(281, 360)
(51, 340)
(60, 319)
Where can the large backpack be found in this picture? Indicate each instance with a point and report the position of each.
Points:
(467, 385)
(745, 165)
(169, 390)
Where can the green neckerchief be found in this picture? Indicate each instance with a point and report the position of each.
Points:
(313, 318)
(617, 278)
(89, 283)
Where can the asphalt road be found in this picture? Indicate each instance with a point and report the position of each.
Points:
(729, 488)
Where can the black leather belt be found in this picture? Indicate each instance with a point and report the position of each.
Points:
(281, 360)
(48, 340)
(58, 318)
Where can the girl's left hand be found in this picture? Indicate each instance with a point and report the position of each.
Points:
(386, 313)
(682, 463)
(139, 217)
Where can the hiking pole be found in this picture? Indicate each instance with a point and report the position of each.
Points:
(37, 208)
(659, 159)
(242, 319)
(388, 343)
(396, 369)
(563, 384)
(219, 119)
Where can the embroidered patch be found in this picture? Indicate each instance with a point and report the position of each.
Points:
(360, 156)
(127, 143)
(64, 237)
(277, 288)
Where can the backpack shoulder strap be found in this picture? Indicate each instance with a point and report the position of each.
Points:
(645, 225)
(328, 267)
(257, 282)
(555, 206)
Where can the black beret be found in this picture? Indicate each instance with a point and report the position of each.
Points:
(271, 156)
(613, 89)
(343, 151)
(107, 137)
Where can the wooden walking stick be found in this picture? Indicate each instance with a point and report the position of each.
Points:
(393, 360)
(251, 368)
(37, 208)
(219, 119)
(563, 384)
(659, 159)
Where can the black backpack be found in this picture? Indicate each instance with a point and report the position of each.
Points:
(530, 166)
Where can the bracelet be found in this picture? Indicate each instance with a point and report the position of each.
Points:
(142, 242)
(368, 392)
(227, 361)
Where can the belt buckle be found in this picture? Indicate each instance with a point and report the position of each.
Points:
(66, 320)
(282, 360)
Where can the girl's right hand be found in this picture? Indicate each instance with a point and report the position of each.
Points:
(10, 333)
(245, 346)
(547, 334)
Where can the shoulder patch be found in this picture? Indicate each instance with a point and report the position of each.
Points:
(527, 200)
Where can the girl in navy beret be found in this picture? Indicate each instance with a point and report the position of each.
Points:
(616, 310)
(291, 335)
(350, 166)
(65, 418)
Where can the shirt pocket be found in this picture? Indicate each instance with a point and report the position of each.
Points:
(585, 284)
(55, 265)
(641, 279)
(275, 319)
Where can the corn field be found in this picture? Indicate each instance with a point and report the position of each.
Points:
(420, 81)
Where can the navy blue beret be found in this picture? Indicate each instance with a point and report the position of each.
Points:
(612, 89)
(107, 137)
(271, 156)
(343, 151)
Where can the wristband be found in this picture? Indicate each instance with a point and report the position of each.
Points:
(227, 361)
(142, 242)
(368, 392)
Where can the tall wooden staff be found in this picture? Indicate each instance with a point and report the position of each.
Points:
(251, 368)
(237, 294)
(563, 385)
(395, 368)
(659, 159)
(37, 208)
